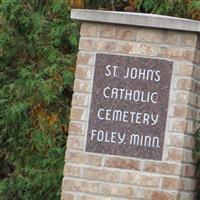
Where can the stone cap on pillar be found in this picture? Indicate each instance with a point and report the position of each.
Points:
(136, 19)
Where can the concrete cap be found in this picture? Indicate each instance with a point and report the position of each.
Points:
(136, 19)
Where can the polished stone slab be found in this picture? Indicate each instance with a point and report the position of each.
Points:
(129, 106)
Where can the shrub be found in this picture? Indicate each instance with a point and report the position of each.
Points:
(38, 44)
(197, 155)
(178, 8)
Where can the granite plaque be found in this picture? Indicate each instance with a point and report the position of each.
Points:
(129, 106)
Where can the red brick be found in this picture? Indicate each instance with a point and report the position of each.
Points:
(88, 44)
(122, 163)
(182, 97)
(89, 197)
(67, 196)
(188, 170)
(78, 114)
(180, 126)
(117, 190)
(185, 84)
(81, 100)
(156, 195)
(157, 36)
(75, 185)
(175, 154)
(76, 128)
(126, 33)
(143, 49)
(170, 183)
(188, 184)
(107, 46)
(162, 168)
(83, 158)
(83, 72)
(180, 111)
(176, 53)
(75, 142)
(176, 140)
(101, 174)
(89, 29)
(72, 170)
(184, 69)
(85, 58)
(82, 86)
(125, 47)
(187, 39)
(107, 31)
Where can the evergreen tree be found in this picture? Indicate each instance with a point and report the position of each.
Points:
(38, 44)
(178, 8)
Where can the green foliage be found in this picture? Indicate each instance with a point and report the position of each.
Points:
(106, 4)
(95, 4)
(38, 44)
(178, 8)
(197, 156)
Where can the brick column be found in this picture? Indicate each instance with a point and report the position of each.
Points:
(93, 176)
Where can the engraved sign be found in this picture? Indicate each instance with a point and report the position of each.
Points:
(129, 106)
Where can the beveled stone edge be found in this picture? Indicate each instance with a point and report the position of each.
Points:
(136, 19)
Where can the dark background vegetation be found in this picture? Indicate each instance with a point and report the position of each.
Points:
(178, 8)
(38, 46)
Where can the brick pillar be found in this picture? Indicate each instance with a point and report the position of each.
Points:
(96, 176)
